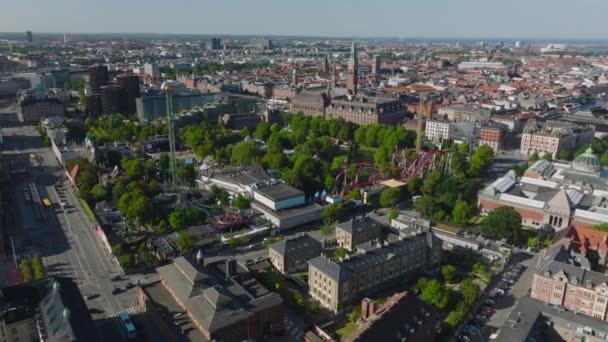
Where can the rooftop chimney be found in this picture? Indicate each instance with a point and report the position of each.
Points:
(230, 267)
(367, 308)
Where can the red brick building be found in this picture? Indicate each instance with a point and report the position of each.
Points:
(493, 136)
(221, 299)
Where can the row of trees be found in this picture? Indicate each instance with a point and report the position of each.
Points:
(452, 198)
(31, 269)
(120, 128)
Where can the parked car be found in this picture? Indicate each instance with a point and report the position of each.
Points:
(490, 301)
(116, 278)
(116, 290)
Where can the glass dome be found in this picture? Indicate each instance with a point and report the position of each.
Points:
(587, 162)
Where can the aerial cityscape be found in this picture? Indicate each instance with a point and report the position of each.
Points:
(238, 173)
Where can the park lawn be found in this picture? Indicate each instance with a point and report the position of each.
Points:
(448, 228)
(347, 330)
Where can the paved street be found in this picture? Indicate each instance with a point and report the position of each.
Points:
(65, 239)
(505, 304)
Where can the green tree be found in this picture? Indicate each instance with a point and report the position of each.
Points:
(25, 267)
(38, 268)
(502, 223)
(186, 173)
(339, 254)
(177, 219)
(564, 155)
(125, 260)
(431, 182)
(99, 193)
(262, 131)
(162, 227)
(245, 153)
(413, 185)
(470, 292)
(448, 272)
(547, 156)
(481, 159)
(457, 316)
(354, 315)
(328, 229)
(393, 213)
(389, 197)
(480, 268)
(185, 241)
(533, 242)
(245, 133)
(334, 212)
(434, 293)
(119, 189)
(241, 203)
(534, 157)
(461, 213)
(274, 160)
(134, 168)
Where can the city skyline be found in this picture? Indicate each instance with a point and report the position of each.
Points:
(436, 19)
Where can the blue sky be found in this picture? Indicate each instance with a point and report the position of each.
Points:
(395, 18)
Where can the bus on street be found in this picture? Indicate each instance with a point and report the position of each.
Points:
(127, 325)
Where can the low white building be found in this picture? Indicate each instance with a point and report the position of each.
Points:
(438, 130)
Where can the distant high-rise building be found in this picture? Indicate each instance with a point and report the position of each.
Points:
(111, 98)
(98, 76)
(214, 44)
(151, 70)
(376, 65)
(130, 84)
(518, 44)
(263, 44)
(352, 77)
(28, 36)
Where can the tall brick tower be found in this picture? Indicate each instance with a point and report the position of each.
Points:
(352, 77)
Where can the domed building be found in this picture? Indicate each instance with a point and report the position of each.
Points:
(554, 195)
(585, 171)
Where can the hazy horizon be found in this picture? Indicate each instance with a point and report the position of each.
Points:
(431, 19)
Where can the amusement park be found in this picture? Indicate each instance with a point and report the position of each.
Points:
(405, 163)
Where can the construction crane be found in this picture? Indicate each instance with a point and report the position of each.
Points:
(169, 97)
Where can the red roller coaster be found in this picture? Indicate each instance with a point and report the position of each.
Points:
(409, 165)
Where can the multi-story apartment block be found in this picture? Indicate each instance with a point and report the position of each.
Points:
(438, 130)
(465, 113)
(351, 233)
(291, 255)
(493, 136)
(553, 136)
(34, 105)
(565, 279)
(337, 284)
(221, 298)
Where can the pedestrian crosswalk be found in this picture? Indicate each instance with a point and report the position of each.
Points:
(132, 310)
(292, 332)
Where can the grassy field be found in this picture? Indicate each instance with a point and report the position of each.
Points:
(346, 330)
(448, 228)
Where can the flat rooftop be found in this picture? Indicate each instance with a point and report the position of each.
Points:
(279, 192)
(161, 297)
